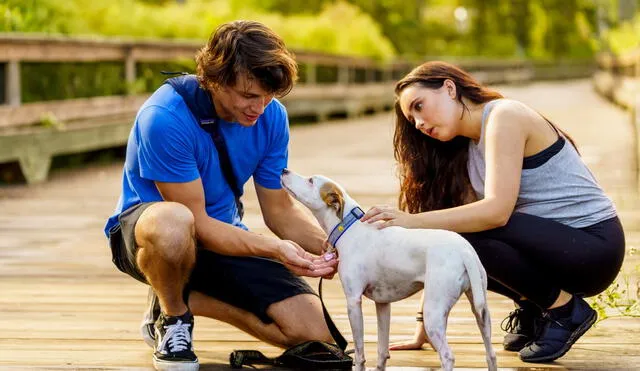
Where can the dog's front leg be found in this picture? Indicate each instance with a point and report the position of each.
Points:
(354, 307)
(383, 311)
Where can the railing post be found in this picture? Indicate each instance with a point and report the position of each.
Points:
(12, 88)
(370, 74)
(635, 110)
(387, 74)
(343, 75)
(310, 75)
(130, 70)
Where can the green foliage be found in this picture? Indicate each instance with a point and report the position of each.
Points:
(51, 81)
(358, 33)
(626, 37)
(380, 29)
(50, 120)
(618, 300)
(149, 75)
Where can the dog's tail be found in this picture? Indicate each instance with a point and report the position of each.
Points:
(477, 278)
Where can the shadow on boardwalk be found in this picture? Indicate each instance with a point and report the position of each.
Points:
(64, 306)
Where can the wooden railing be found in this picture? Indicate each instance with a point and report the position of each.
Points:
(17, 49)
(618, 79)
(360, 85)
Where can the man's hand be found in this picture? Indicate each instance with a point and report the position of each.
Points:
(303, 263)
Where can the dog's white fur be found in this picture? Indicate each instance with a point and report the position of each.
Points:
(390, 264)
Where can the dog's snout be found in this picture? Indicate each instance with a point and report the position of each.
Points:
(285, 171)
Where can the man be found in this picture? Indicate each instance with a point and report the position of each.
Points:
(177, 225)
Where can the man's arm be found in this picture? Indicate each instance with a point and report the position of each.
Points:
(226, 239)
(288, 221)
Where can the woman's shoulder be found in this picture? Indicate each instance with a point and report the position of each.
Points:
(506, 106)
(513, 112)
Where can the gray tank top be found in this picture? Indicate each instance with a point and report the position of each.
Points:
(561, 188)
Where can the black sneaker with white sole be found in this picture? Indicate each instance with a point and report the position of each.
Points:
(149, 319)
(174, 346)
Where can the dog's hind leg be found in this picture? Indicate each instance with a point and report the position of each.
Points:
(354, 309)
(383, 311)
(483, 319)
(440, 294)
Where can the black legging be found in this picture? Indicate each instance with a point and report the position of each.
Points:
(535, 258)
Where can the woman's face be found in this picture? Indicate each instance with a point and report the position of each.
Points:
(435, 112)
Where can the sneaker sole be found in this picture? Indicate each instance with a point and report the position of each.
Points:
(517, 345)
(572, 339)
(511, 348)
(161, 365)
(147, 334)
(148, 320)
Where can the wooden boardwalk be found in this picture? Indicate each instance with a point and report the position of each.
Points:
(64, 306)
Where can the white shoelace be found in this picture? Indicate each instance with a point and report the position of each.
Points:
(176, 336)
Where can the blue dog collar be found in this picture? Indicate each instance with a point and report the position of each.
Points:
(354, 215)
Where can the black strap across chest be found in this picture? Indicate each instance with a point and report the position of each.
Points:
(201, 106)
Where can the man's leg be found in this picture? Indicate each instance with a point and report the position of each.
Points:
(163, 239)
(296, 319)
(259, 296)
(301, 319)
(165, 236)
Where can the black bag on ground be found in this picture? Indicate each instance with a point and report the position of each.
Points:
(311, 355)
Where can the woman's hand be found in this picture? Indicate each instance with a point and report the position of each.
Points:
(419, 339)
(303, 263)
(389, 216)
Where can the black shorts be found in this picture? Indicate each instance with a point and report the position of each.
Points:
(249, 283)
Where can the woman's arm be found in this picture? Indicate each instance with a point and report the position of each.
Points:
(505, 138)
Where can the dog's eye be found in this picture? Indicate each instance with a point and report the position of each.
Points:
(310, 180)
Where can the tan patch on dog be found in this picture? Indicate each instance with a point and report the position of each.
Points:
(332, 196)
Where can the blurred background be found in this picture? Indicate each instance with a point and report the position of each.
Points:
(385, 30)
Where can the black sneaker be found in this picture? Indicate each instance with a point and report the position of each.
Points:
(174, 348)
(519, 326)
(149, 319)
(556, 335)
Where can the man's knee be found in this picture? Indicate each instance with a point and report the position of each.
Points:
(167, 229)
(300, 319)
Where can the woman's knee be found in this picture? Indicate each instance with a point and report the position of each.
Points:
(168, 229)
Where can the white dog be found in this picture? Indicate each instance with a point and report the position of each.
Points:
(390, 264)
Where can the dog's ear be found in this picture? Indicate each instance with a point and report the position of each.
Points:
(332, 196)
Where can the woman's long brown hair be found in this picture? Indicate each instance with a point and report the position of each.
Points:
(433, 174)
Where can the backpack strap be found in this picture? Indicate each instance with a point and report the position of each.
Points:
(201, 106)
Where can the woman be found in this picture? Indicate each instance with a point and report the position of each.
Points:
(515, 187)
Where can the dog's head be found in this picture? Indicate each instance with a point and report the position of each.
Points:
(318, 193)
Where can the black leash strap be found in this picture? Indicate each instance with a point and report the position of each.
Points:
(335, 333)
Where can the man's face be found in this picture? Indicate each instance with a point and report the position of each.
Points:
(243, 102)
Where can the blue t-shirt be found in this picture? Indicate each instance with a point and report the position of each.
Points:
(167, 144)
